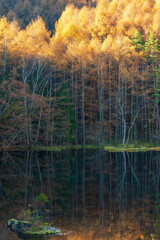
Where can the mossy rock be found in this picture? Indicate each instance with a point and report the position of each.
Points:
(27, 229)
(17, 225)
(43, 231)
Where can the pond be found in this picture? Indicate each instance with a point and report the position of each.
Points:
(92, 194)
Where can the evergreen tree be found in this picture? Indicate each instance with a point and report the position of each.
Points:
(138, 41)
(151, 47)
(64, 115)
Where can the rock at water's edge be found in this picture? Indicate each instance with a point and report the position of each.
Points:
(27, 228)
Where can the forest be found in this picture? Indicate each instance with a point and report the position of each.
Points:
(26, 10)
(90, 75)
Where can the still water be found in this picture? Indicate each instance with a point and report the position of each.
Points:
(92, 194)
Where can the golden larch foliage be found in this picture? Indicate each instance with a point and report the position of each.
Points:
(106, 28)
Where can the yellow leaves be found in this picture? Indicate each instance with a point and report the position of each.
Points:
(98, 29)
(84, 31)
(70, 32)
(67, 16)
(113, 6)
(138, 20)
(14, 27)
(35, 39)
(73, 31)
(157, 5)
(4, 25)
(7, 33)
(74, 25)
(156, 25)
(37, 29)
(66, 27)
(146, 6)
(4, 29)
(107, 44)
(85, 20)
(95, 45)
(102, 20)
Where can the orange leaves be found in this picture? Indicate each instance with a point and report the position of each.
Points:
(102, 27)
(33, 40)
(66, 19)
(97, 29)
(73, 25)
(4, 25)
(70, 33)
(7, 31)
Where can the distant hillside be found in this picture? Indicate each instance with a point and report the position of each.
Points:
(25, 10)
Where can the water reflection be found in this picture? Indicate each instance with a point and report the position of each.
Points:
(112, 194)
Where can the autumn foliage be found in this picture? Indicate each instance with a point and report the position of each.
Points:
(108, 58)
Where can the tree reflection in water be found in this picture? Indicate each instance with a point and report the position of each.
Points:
(95, 194)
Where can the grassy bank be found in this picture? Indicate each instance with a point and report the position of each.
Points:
(131, 148)
(118, 148)
(108, 148)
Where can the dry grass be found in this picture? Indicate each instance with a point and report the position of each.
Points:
(92, 235)
(125, 227)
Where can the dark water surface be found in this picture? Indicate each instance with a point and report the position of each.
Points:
(93, 193)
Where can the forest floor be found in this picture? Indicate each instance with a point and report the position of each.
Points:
(108, 148)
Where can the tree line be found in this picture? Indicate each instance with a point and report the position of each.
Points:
(95, 80)
(25, 10)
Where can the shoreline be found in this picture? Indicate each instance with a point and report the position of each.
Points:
(107, 148)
